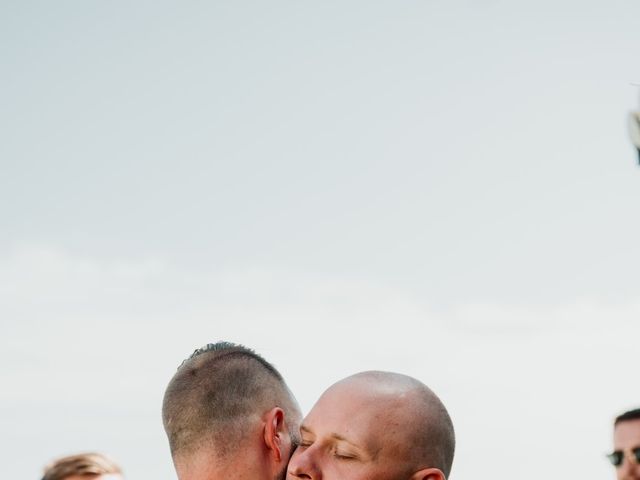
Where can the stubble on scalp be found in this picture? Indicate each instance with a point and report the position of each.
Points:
(217, 396)
(419, 430)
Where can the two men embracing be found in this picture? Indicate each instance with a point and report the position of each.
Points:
(229, 415)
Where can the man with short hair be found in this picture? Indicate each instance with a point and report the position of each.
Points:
(229, 415)
(84, 466)
(375, 426)
(626, 445)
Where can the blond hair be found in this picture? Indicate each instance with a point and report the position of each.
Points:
(86, 464)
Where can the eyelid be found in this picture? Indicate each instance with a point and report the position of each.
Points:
(305, 443)
(345, 455)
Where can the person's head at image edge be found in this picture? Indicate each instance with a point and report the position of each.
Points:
(626, 445)
(229, 414)
(83, 466)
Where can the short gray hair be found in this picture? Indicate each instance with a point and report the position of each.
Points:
(216, 392)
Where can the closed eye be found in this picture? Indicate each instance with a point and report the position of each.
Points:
(343, 455)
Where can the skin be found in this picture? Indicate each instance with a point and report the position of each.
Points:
(264, 454)
(98, 477)
(626, 435)
(358, 430)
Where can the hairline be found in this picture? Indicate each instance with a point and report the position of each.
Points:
(628, 416)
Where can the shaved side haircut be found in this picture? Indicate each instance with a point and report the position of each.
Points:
(217, 394)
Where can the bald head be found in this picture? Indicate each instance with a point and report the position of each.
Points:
(418, 414)
(392, 424)
(217, 396)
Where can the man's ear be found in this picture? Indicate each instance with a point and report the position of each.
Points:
(428, 474)
(275, 433)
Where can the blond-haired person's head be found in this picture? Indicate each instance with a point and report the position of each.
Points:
(84, 466)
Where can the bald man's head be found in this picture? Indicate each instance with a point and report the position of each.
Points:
(392, 425)
(217, 395)
(428, 428)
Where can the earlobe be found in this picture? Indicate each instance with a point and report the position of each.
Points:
(428, 474)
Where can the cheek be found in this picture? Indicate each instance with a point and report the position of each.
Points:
(341, 470)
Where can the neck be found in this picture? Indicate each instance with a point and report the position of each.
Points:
(204, 465)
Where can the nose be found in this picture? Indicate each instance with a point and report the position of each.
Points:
(303, 465)
(629, 470)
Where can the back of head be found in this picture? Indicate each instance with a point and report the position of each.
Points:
(89, 465)
(215, 397)
(428, 433)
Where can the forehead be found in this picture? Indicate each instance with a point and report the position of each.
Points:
(366, 417)
(627, 434)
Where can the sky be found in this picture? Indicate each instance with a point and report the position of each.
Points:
(443, 189)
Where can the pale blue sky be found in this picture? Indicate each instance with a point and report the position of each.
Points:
(438, 187)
